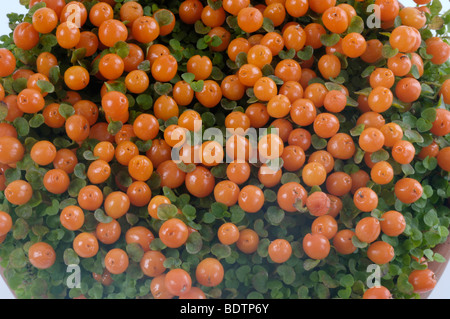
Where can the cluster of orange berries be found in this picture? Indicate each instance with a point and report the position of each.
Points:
(298, 108)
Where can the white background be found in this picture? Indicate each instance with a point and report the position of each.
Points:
(442, 290)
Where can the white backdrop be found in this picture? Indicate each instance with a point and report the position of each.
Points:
(441, 291)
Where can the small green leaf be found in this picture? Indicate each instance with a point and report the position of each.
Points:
(439, 258)
(286, 273)
(135, 251)
(242, 272)
(194, 243)
(80, 170)
(189, 212)
(145, 101)
(200, 28)
(20, 229)
(347, 280)
(144, 146)
(310, 264)
(208, 119)
(352, 102)
(259, 281)
(357, 130)
(368, 71)
(268, 25)
(359, 155)
(289, 177)
(201, 44)
(357, 243)
(327, 280)
(274, 215)
(413, 136)
(75, 186)
(40, 230)
(22, 126)
(164, 17)
(333, 86)
(167, 211)
(388, 52)
(221, 251)
(345, 293)
(423, 125)
(66, 110)
(197, 86)
(339, 79)
(426, 90)
(19, 84)
(436, 23)
(70, 257)
(300, 206)
(414, 71)
(208, 218)
(53, 209)
(157, 244)
(168, 192)
(404, 285)
(270, 195)
(356, 25)
(317, 142)
(430, 163)
(329, 40)
(216, 41)
(48, 40)
(89, 156)
(365, 91)
(96, 292)
(17, 258)
(78, 54)
(380, 155)
(435, 7)
(429, 114)
(163, 88)
(241, 59)
(217, 74)
(144, 66)
(267, 70)
(219, 171)
(259, 228)
(218, 209)
(54, 74)
(122, 49)
(303, 292)
(36, 121)
(101, 217)
(290, 54)
(237, 214)
(36, 7)
(431, 218)
(276, 79)
(3, 111)
(215, 4)
(306, 53)
(188, 77)
(24, 211)
(114, 127)
(227, 104)
(397, 21)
